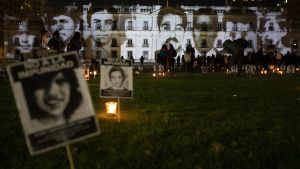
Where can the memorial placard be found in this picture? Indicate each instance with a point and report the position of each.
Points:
(53, 101)
(116, 78)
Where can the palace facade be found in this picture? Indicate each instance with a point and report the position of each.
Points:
(118, 30)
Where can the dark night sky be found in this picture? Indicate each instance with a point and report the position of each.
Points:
(141, 2)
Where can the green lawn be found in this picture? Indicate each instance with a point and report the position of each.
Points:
(196, 121)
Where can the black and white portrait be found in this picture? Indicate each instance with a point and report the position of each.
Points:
(116, 79)
(53, 101)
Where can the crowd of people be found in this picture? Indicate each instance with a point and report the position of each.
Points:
(220, 62)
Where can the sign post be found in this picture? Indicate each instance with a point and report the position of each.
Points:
(53, 101)
(116, 80)
(69, 153)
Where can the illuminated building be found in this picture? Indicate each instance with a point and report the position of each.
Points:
(136, 30)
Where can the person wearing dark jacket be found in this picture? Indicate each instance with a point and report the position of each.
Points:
(75, 42)
(56, 43)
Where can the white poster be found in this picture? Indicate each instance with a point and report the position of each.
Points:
(53, 100)
(116, 78)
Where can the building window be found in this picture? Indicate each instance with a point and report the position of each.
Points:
(145, 43)
(98, 43)
(219, 43)
(17, 41)
(129, 27)
(203, 26)
(114, 54)
(271, 26)
(145, 54)
(129, 43)
(98, 25)
(234, 28)
(189, 26)
(188, 41)
(129, 54)
(145, 27)
(98, 54)
(250, 43)
(115, 25)
(114, 43)
(250, 27)
(219, 26)
(203, 43)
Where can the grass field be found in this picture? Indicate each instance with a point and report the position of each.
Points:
(195, 121)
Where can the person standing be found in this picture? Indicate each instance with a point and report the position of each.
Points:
(278, 57)
(163, 56)
(171, 56)
(142, 60)
(75, 42)
(56, 43)
(188, 59)
(178, 62)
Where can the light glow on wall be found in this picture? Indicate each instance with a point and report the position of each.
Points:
(106, 33)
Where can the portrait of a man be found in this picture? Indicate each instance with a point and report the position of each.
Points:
(24, 41)
(103, 23)
(171, 24)
(65, 23)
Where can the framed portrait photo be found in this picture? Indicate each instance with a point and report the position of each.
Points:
(116, 79)
(53, 101)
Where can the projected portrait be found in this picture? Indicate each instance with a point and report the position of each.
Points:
(273, 32)
(24, 41)
(171, 24)
(65, 23)
(102, 24)
(202, 24)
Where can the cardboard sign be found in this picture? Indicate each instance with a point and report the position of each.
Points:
(290, 69)
(53, 100)
(116, 78)
(234, 69)
(250, 69)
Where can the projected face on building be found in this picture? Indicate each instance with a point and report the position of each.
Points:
(24, 41)
(65, 25)
(171, 23)
(273, 33)
(201, 26)
(102, 26)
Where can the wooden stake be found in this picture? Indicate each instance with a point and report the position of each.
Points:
(118, 113)
(71, 162)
